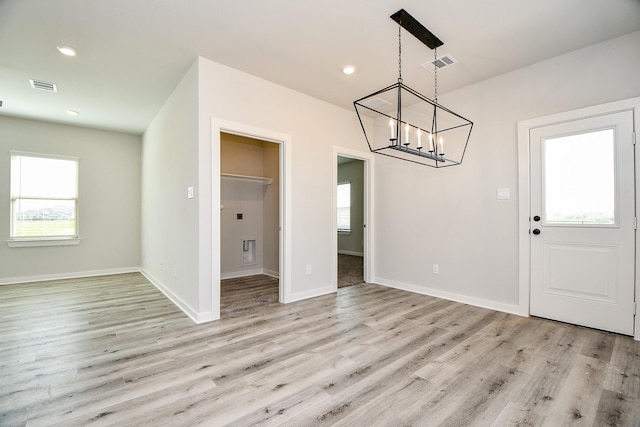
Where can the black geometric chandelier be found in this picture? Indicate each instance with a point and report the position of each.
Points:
(408, 125)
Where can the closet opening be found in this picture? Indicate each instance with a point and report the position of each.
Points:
(249, 221)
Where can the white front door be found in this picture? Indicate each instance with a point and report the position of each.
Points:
(582, 222)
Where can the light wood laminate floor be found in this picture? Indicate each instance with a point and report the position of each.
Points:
(114, 351)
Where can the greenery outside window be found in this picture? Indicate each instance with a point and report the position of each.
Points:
(44, 197)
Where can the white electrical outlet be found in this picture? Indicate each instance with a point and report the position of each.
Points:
(503, 193)
(189, 192)
(436, 269)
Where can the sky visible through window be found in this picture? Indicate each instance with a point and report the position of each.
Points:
(580, 178)
(43, 196)
(43, 177)
(344, 206)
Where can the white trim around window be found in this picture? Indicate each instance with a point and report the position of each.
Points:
(28, 243)
(68, 193)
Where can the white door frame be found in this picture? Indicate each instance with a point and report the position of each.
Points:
(524, 183)
(367, 158)
(241, 129)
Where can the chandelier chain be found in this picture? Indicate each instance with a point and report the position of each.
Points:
(435, 72)
(399, 53)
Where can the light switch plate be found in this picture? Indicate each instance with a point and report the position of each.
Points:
(189, 192)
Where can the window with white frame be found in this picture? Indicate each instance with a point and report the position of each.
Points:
(44, 196)
(344, 207)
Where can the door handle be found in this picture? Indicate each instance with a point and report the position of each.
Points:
(536, 218)
(536, 231)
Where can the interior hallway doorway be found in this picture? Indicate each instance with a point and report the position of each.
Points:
(350, 193)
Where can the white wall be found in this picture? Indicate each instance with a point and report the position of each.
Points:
(314, 126)
(109, 201)
(246, 198)
(451, 217)
(170, 227)
(353, 172)
(180, 253)
(448, 217)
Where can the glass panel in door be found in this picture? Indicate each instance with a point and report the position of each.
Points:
(579, 179)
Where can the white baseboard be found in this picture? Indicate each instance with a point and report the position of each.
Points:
(241, 273)
(186, 308)
(247, 273)
(271, 273)
(478, 302)
(299, 296)
(350, 253)
(72, 275)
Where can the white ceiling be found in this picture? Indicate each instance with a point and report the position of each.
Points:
(132, 53)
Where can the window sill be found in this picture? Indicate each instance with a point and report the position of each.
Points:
(54, 241)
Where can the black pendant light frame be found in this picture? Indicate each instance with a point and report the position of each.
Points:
(423, 116)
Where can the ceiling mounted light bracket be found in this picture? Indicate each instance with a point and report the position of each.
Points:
(413, 26)
(408, 125)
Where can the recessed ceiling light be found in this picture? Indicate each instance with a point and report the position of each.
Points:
(349, 69)
(72, 112)
(67, 51)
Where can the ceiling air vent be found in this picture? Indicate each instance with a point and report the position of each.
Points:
(440, 62)
(39, 84)
(376, 103)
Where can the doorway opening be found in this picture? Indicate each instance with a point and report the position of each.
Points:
(283, 188)
(350, 221)
(249, 217)
(353, 217)
(577, 235)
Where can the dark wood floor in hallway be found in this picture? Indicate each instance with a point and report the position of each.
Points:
(350, 270)
(113, 350)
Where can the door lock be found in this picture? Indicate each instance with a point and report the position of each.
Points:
(536, 231)
(536, 218)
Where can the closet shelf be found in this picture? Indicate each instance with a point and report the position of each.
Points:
(257, 179)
